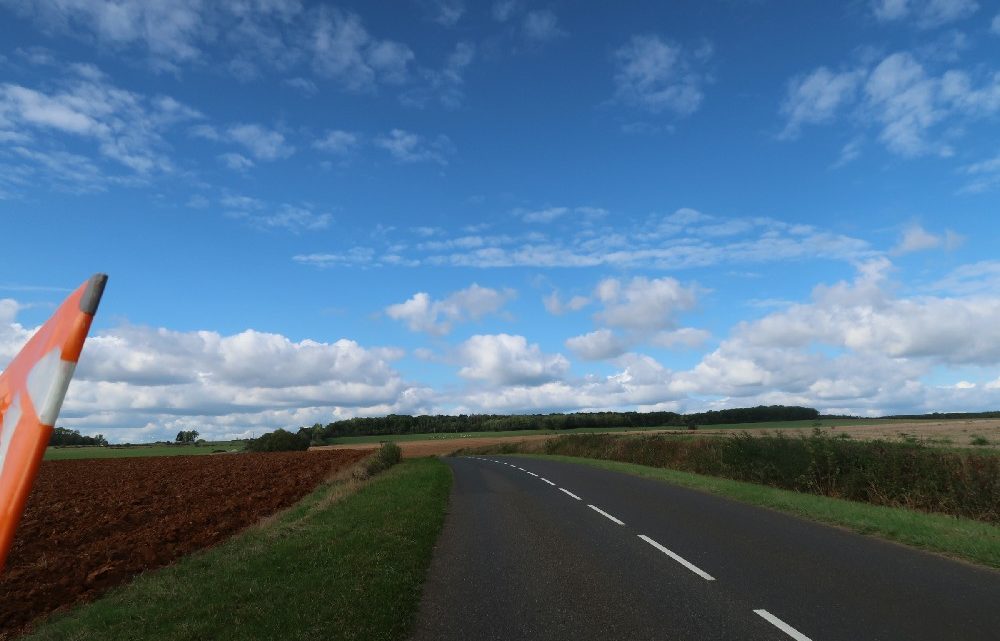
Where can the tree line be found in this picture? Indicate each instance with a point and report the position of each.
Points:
(442, 423)
(65, 436)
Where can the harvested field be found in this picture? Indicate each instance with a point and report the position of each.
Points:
(93, 524)
(950, 433)
(439, 446)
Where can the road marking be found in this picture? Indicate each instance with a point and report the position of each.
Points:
(694, 568)
(603, 513)
(546, 480)
(521, 468)
(531, 473)
(781, 625)
(570, 493)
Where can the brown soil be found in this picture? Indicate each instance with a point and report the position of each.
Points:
(93, 524)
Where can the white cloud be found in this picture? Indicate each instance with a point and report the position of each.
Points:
(306, 86)
(600, 344)
(849, 152)
(985, 175)
(816, 97)
(221, 384)
(551, 214)
(503, 10)
(198, 201)
(293, 218)
(127, 127)
(925, 13)
(905, 100)
(354, 257)
(168, 29)
(643, 304)
(681, 240)
(544, 215)
(541, 25)
(555, 305)
(343, 50)
(641, 384)
(445, 12)
(237, 162)
(995, 25)
(337, 141)
(916, 112)
(890, 9)
(503, 360)
(64, 171)
(971, 279)
(865, 318)
(685, 337)
(257, 213)
(421, 313)
(261, 142)
(658, 75)
(916, 238)
(443, 85)
(408, 147)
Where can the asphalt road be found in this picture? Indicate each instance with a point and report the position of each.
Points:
(531, 557)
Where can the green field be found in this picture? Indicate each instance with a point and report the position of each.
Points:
(338, 565)
(124, 451)
(962, 538)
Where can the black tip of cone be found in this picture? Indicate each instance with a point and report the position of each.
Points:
(92, 295)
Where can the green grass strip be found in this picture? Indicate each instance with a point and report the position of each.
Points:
(71, 453)
(961, 538)
(332, 567)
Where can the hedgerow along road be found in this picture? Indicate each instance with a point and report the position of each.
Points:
(540, 549)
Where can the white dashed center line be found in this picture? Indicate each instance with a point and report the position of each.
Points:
(605, 514)
(546, 480)
(781, 625)
(694, 568)
(570, 493)
(531, 473)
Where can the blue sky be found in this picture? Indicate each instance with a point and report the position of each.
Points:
(313, 211)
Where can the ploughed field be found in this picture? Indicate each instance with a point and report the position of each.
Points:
(93, 524)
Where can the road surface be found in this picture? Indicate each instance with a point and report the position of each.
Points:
(539, 549)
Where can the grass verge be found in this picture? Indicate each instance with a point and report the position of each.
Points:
(961, 538)
(331, 567)
(73, 452)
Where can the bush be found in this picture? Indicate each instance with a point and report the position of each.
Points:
(278, 441)
(386, 456)
(897, 474)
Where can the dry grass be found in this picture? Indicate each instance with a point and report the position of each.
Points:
(951, 433)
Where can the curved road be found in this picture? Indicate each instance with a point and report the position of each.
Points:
(539, 549)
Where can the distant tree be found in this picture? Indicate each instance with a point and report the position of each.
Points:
(65, 436)
(279, 441)
(186, 436)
